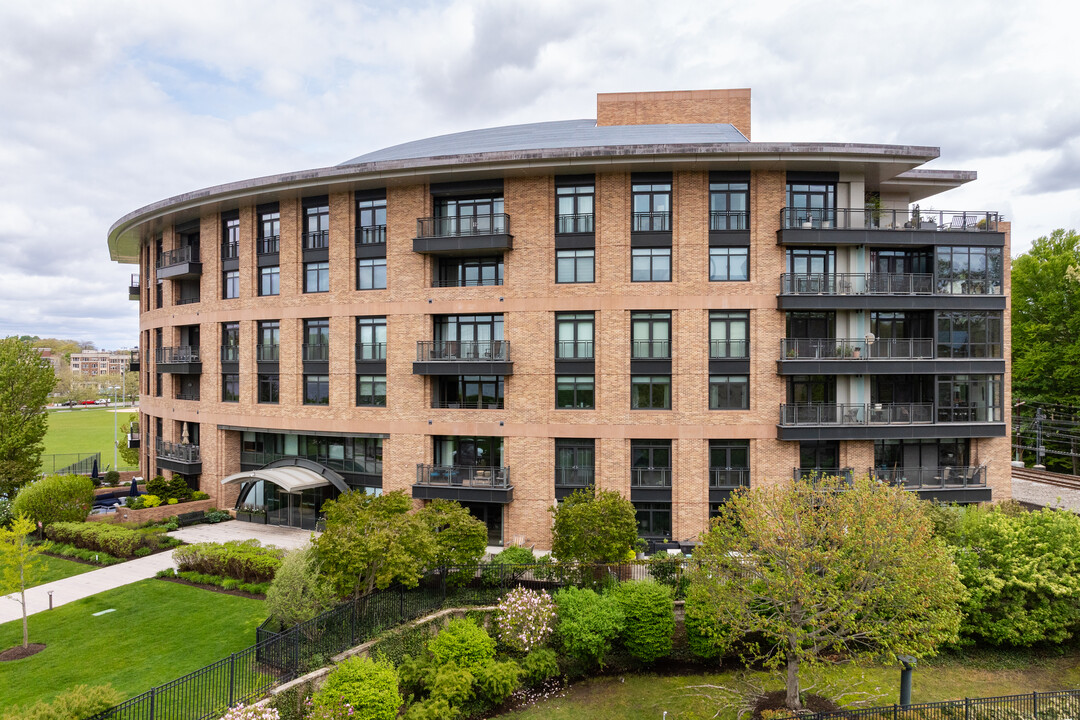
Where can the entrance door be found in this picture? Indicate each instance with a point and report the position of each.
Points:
(491, 515)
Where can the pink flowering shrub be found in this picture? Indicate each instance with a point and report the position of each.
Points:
(525, 619)
(250, 712)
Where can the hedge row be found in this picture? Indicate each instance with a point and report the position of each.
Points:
(247, 561)
(113, 539)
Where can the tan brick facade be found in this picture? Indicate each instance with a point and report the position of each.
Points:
(678, 107)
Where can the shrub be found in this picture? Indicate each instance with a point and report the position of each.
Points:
(213, 515)
(650, 619)
(103, 537)
(525, 619)
(540, 665)
(588, 528)
(463, 643)
(81, 701)
(588, 623)
(507, 566)
(246, 560)
(57, 498)
(158, 486)
(199, 495)
(453, 684)
(178, 489)
(432, 709)
(66, 550)
(460, 539)
(252, 712)
(147, 501)
(667, 570)
(112, 478)
(142, 552)
(498, 680)
(370, 687)
(173, 501)
(298, 592)
(5, 512)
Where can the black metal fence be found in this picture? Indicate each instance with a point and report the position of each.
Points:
(1036, 706)
(70, 463)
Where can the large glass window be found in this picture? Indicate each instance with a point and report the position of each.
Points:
(969, 335)
(969, 398)
(651, 207)
(371, 391)
(729, 392)
(371, 274)
(816, 389)
(230, 387)
(729, 333)
(574, 208)
(230, 237)
(269, 232)
(468, 271)
(230, 284)
(650, 264)
(371, 338)
(728, 264)
(575, 266)
(650, 335)
(650, 463)
(316, 224)
(650, 392)
(269, 390)
(371, 221)
(653, 519)
(470, 336)
(574, 335)
(317, 339)
(317, 277)
(230, 342)
(468, 451)
(316, 389)
(819, 457)
(575, 392)
(969, 270)
(575, 460)
(269, 280)
(470, 216)
(729, 463)
(269, 341)
(728, 205)
(812, 204)
(476, 392)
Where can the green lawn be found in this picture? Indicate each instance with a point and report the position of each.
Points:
(85, 431)
(53, 568)
(160, 631)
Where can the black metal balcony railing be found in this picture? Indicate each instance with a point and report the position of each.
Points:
(857, 349)
(267, 353)
(463, 476)
(466, 282)
(187, 300)
(134, 356)
(930, 478)
(729, 349)
(317, 240)
(846, 474)
(574, 350)
(650, 349)
(794, 414)
(357, 466)
(882, 219)
(178, 256)
(650, 477)
(371, 235)
(729, 477)
(469, 404)
(133, 284)
(230, 353)
(230, 250)
(574, 477)
(651, 222)
(187, 396)
(459, 351)
(179, 354)
(316, 352)
(370, 351)
(729, 220)
(884, 284)
(493, 224)
(268, 245)
(178, 451)
(565, 224)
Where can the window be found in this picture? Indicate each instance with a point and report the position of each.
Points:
(317, 340)
(969, 398)
(316, 224)
(729, 334)
(230, 387)
(653, 519)
(269, 232)
(269, 341)
(650, 335)
(969, 334)
(470, 337)
(371, 391)
(269, 280)
(811, 204)
(729, 463)
(729, 392)
(476, 392)
(728, 204)
(574, 208)
(371, 338)
(469, 216)
(230, 342)
(969, 270)
(466, 272)
(575, 266)
(575, 461)
(230, 284)
(371, 274)
(317, 390)
(812, 389)
(650, 264)
(650, 392)
(371, 221)
(317, 277)
(727, 264)
(230, 236)
(574, 392)
(650, 463)
(651, 207)
(574, 336)
(269, 392)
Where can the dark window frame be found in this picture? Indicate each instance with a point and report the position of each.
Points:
(725, 392)
(581, 389)
(654, 389)
(269, 388)
(230, 284)
(656, 267)
(370, 272)
(367, 390)
(581, 258)
(575, 348)
(319, 271)
(725, 257)
(270, 276)
(316, 389)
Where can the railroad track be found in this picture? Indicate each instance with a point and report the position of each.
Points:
(1072, 482)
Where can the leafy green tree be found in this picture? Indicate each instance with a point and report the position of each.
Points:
(18, 563)
(460, 539)
(368, 687)
(26, 379)
(650, 619)
(594, 528)
(56, 498)
(462, 643)
(371, 541)
(298, 592)
(817, 568)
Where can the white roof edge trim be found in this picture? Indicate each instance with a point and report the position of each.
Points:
(289, 479)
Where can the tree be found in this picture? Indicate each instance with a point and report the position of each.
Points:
(18, 563)
(821, 567)
(56, 498)
(460, 539)
(298, 592)
(371, 541)
(594, 528)
(26, 379)
(130, 456)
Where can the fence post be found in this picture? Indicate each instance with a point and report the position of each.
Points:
(232, 678)
(401, 602)
(967, 708)
(296, 650)
(1035, 705)
(152, 691)
(352, 623)
(895, 711)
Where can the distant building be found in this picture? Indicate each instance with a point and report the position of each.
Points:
(100, 363)
(47, 354)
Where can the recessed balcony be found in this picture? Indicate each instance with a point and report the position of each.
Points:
(868, 226)
(870, 355)
(133, 287)
(724, 480)
(134, 361)
(180, 360)
(873, 421)
(178, 457)
(467, 483)
(179, 264)
(458, 357)
(887, 291)
(650, 484)
(571, 479)
(945, 483)
(463, 235)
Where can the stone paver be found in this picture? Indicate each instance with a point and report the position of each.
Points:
(80, 586)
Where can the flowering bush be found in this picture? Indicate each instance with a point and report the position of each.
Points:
(525, 619)
(251, 712)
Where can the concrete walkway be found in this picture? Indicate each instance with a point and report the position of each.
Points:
(96, 581)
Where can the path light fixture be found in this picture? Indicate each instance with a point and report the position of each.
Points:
(909, 664)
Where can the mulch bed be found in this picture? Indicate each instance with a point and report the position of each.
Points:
(775, 701)
(214, 588)
(19, 652)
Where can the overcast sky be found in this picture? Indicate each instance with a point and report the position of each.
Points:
(108, 106)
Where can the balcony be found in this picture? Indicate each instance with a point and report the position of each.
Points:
(371, 235)
(872, 421)
(134, 359)
(180, 360)
(474, 404)
(870, 355)
(863, 226)
(267, 353)
(575, 224)
(724, 480)
(317, 240)
(316, 352)
(230, 251)
(230, 354)
(133, 438)
(269, 245)
(179, 264)
(190, 396)
(946, 483)
(464, 235)
(178, 457)
(887, 291)
(465, 483)
(454, 357)
(133, 287)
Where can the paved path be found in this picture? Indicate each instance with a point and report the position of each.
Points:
(95, 581)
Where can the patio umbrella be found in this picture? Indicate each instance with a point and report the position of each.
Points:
(94, 472)
(134, 492)
(185, 439)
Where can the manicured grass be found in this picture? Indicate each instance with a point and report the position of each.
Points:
(160, 631)
(86, 431)
(53, 568)
(648, 696)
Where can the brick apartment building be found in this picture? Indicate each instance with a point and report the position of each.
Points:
(96, 363)
(648, 302)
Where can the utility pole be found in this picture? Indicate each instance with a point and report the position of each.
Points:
(1040, 451)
